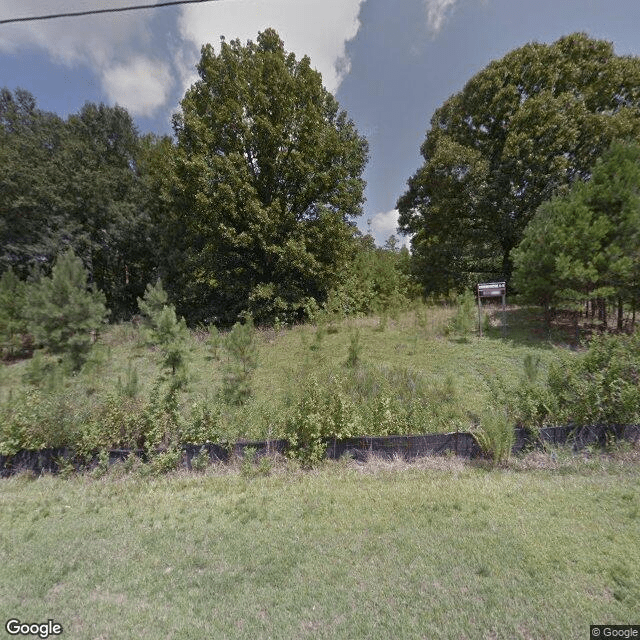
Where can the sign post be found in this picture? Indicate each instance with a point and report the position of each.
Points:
(492, 290)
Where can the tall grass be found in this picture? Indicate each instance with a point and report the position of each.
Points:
(409, 378)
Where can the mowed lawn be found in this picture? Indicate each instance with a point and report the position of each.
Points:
(440, 549)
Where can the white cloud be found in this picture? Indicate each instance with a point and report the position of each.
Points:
(385, 224)
(94, 40)
(437, 12)
(317, 28)
(142, 86)
(110, 44)
(120, 47)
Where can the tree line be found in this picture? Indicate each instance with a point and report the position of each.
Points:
(528, 128)
(250, 208)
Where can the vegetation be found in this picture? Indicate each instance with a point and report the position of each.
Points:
(238, 554)
(415, 377)
(579, 251)
(63, 316)
(248, 216)
(268, 181)
(74, 183)
(524, 127)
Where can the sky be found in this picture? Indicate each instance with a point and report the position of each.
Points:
(389, 64)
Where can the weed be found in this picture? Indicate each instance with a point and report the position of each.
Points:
(247, 466)
(201, 460)
(355, 349)
(165, 461)
(496, 436)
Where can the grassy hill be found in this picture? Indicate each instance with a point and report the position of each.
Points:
(409, 372)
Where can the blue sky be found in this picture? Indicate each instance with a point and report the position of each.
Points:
(390, 64)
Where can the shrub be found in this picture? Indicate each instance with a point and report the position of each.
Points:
(464, 319)
(601, 386)
(203, 425)
(201, 460)
(242, 350)
(319, 415)
(495, 436)
(63, 313)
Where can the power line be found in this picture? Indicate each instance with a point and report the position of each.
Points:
(73, 14)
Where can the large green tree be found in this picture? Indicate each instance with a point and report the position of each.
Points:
(519, 130)
(585, 245)
(268, 182)
(74, 183)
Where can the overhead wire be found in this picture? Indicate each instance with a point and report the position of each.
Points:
(90, 12)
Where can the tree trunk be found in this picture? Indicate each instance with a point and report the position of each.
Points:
(620, 314)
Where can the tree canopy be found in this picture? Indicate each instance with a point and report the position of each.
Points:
(74, 183)
(585, 245)
(268, 181)
(521, 129)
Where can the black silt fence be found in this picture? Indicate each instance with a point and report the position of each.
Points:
(459, 443)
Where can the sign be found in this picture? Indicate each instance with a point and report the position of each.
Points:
(492, 289)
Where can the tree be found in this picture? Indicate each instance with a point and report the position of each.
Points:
(584, 245)
(520, 130)
(165, 330)
(63, 312)
(13, 325)
(242, 350)
(268, 179)
(74, 183)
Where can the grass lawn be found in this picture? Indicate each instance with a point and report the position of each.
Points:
(438, 549)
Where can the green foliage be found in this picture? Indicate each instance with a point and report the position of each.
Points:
(74, 183)
(495, 435)
(267, 178)
(166, 331)
(165, 461)
(355, 349)
(42, 371)
(63, 313)
(465, 318)
(36, 419)
(376, 280)
(242, 351)
(131, 385)
(204, 424)
(201, 460)
(582, 245)
(601, 386)
(320, 414)
(13, 325)
(522, 128)
(152, 303)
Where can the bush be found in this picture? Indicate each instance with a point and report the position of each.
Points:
(495, 436)
(600, 386)
(242, 350)
(463, 322)
(63, 314)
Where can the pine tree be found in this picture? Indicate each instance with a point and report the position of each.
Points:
(164, 329)
(243, 359)
(63, 312)
(13, 325)
(151, 305)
